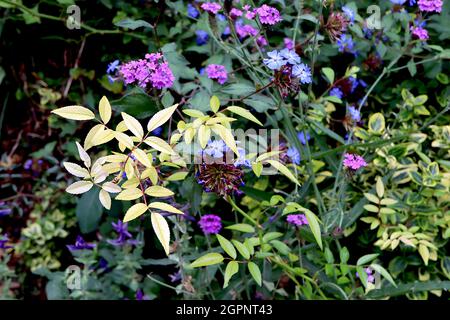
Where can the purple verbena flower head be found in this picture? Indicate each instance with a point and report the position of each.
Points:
(235, 13)
(261, 41)
(249, 13)
(245, 30)
(420, 33)
(297, 219)
(217, 72)
(268, 15)
(354, 161)
(430, 5)
(210, 224)
(211, 7)
(153, 70)
(80, 244)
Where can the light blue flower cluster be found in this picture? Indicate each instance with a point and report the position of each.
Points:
(286, 57)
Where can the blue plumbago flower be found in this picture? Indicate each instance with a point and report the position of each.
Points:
(398, 2)
(302, 72)
(113, 66)
(124, 237)
(349, 13)
(290, 55)
(345, 43)
(80, 244)
(226, 31)
(294, 155)
(202, 37)
(156, 132)
(301, 137)
(221, 17)
(275, 60)
(215, 148)
(3, 242)
(412, 2)
(192, 11)
(336, 92)
(355, 115)
(241, 160)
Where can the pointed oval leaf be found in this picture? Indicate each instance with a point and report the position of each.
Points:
(159, 192)
(75, 113)
(111, 187)
(133, 125)
(162, 230)
(124, 139)
(231, 269)
(142, 157)
(164, 207)
(159, 144)
(83, 155)
(161, 117)
(244, 113)
(280, 167)
(313, 223)
(134, 212)
(255, 272)
(207, 260)
(76, 170)
(105, 110)
(79, 187)
(242, 249)
(129, 194)
(227, 246)
(105, 199)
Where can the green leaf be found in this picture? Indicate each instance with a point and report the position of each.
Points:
(227, 246)
(281, 247)
(329, 74)
(344, 255)
(313, 223)
(255, 272)
(242, 249)
(89, 211)
(243, 227)
(367, 258)
(383, 272)
(136, 103)
(133, 24)
(244, 113)
(231, 269)
(376, 123)
(207, 260)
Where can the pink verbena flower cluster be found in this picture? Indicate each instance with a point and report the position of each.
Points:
(153, 70)
(354, 161)
(217, 72)
(245, 30)
(297, 219)
(212, 7)
(430, 5)
(420, 33)
(268, 14)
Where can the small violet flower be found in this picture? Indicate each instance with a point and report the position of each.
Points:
(124, 237)
(80, 244)
(288, 43)
(202, 37)
(294, 155)
(345, 43)
(336, 92)
(210, 224)
(192, 11)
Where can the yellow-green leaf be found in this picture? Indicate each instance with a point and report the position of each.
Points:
(162, 230)
(227, 137)
(255, 272)
(83, 155)
(164, 207)
(76, 170)
(142, 157)
(424, 253)
(241, 248)
(227, 246)
(244, 113)
(280, 167)
(193, 113)
(135, 211)
(214, 103)
(124, 139)
(75, 113)
(161, 117)
(129, 194)
(159, 144)
(158, 191)
(111, 187)
(313, 223)
(204, 134)
(105, 199)
(105, 110)
(231, 269)
(377, 123)
(207, 260)
(177, 176)
(79, 187)
(133, 125)
(380, 187)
